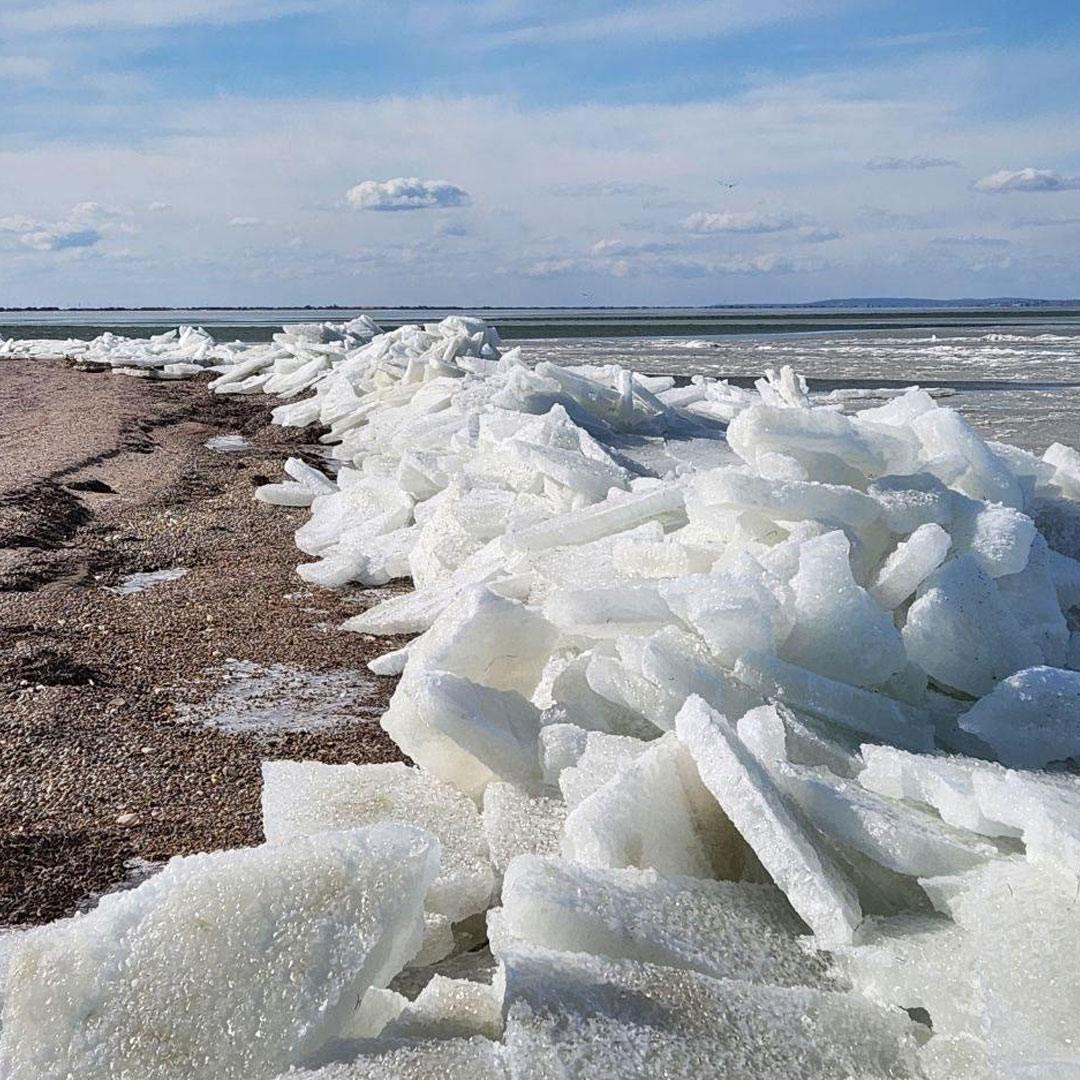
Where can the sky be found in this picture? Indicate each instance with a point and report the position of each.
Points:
(534, 152)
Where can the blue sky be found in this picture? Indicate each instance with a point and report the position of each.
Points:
(530, 152)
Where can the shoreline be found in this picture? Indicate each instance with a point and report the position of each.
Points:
(106, 477)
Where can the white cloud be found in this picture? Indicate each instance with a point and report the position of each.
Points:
(926, 37)
(646, 262)
(655, 21)
(58, 16)
(605, 189)
(756, 223)
(159, 207)
(81, 227)
(972, 241)
(25, 68)
(896, 164)
(1028, 179)
(792, 144)
(59, 238)
(245, 222)
(406, 193)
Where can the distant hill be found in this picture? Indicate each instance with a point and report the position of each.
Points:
(922, 302)
(850, 303)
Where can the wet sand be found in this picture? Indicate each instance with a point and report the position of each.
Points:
(103, 476)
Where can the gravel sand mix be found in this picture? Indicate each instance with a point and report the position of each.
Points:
(134, 713)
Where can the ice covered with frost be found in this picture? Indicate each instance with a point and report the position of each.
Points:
(235, 964)
(709, 690)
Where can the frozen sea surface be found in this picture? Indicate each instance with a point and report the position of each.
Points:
(1017, 385)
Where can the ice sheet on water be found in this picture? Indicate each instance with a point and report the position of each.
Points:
(231, 965)
(272, 698)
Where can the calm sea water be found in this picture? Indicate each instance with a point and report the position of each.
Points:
(1013, 372)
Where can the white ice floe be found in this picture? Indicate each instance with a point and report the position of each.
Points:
(231, 965)
(711, 688)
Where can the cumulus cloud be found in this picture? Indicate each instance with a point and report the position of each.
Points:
(909, 164)
(406, 193)
(245, 222)
(81, 227)
(1028, 179)
(59, 239)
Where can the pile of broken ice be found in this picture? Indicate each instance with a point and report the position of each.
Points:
(191, 350)
(742, 733)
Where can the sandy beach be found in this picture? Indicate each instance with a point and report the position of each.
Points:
(103, 477)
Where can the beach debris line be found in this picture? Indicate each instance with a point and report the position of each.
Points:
(743, 728)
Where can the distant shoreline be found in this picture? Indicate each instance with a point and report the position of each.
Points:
(884, 303)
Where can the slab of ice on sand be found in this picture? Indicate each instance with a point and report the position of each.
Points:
(276, 698)
(569, 1014)
(228, 444)
(229, 966)
(140, 582)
